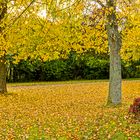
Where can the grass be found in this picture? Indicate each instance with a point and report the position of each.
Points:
(65, 82)
(55, 82)
(73, 111)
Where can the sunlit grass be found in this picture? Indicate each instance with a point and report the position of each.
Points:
(55, 82)
(65, 82)
(64, 111)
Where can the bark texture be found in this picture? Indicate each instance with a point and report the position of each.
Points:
(3, 73)
(115, 43)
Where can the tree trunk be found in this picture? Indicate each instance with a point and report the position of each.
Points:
(115, 43)
(3, 73)
(3, 70)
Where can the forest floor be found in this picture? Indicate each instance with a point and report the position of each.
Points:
(67, 111)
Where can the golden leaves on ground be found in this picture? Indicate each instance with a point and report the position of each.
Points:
(67, 111)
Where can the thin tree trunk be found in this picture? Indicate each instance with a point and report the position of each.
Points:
(115, 43)
(3, 73)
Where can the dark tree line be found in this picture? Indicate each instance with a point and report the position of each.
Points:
(75, 67)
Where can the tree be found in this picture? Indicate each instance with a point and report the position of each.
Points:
(115, 25)
(6, 13)
(3, 12)
(109, 13)
(22, 31)
(115, 43)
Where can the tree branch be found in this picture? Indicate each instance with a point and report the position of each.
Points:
(22, 12)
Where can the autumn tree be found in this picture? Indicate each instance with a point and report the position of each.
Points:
(115, 43)
(3, 12)
(116, 20)
(10, 12)
(23, 33)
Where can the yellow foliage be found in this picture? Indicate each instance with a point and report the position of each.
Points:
(131, 38)
(65, 28)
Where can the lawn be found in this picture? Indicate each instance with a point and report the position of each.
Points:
(67, 111)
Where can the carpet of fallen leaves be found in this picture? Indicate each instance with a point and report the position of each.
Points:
(67, 112)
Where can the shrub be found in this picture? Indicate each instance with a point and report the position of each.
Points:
(135, 107)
